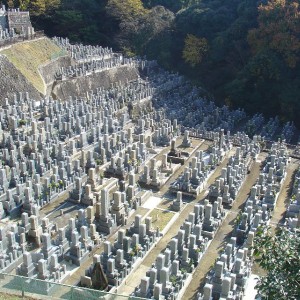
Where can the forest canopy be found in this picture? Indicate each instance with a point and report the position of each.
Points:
(245, 53)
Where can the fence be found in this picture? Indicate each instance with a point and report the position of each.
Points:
(59, 54)
(41, 289)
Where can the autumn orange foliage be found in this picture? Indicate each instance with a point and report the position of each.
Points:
(279, 30)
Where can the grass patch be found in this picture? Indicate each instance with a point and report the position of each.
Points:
(28, 56)
(4, 296)
(160, 218)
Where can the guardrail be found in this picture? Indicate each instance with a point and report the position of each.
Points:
(41, 289)
(59, 54)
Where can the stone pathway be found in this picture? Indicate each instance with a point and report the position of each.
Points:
(281, 206)
(134, 279)
(75, 276)
(223, 235)
(283, 198)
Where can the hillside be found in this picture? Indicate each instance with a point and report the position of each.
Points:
(31, 67)
(27, 57)
(244, 53)
(13, 81)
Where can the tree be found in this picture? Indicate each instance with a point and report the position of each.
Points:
(125, 9)
(82, 21)
(279, 30)
(251, 47)
(128, 15)
(71, 21)
(10, 3)
(194, 49)
(36, 7)
(152, 25)
(52, 5)
(173, 5)
(279, 255)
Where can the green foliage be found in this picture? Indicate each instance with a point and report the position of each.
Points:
(173, 5)
(138, 27)
(22, 122)
(136, 249)
(173, 279)
(98, 162)
(278, 254)
(36, 7)
(10, 3)
(125, 9)
(194, 49)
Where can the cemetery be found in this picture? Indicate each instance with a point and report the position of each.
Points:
(85, 182)
(14, 24)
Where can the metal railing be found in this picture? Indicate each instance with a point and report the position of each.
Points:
(41, 289)
(59, 54)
